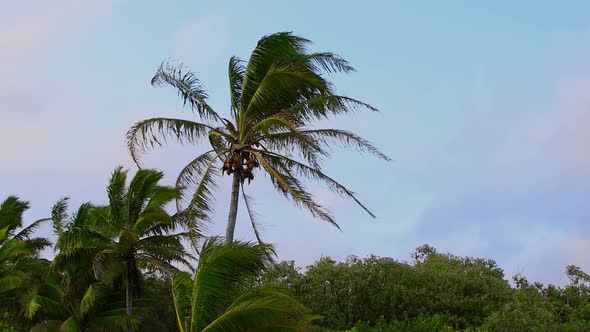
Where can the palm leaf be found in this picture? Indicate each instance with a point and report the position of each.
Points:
(271, 48)
(236, 73)
(8, 283)
(147, 134)
(292, 188)
(326, 61)
(181, 297)
(198, 175)
(189, 88)
(331, 137)
(59, 215)
(283, 86)
(274, 124)
(262, 309)
(321, 106)
(27, 231)
(252, 215)
(222, 271)
(312, 173)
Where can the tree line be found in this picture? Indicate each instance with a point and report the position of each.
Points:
(433, 292)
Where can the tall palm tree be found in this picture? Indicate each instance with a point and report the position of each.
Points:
(20, 265)
(274, 97)
(133, 232)
(218, 299)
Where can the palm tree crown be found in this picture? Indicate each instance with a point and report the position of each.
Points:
(275, 97)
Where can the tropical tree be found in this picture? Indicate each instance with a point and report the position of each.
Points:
(74, 296)
(275, 97)
(102, 245)
(218, 299)
(20, 265)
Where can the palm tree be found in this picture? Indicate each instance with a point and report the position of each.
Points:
(275, 96)
(20, 265)
(75, 295)
(218, 299)
(133, 232)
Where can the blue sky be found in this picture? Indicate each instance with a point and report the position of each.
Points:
(484, 108)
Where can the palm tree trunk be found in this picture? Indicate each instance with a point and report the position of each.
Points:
(128, 295)
(233, 209)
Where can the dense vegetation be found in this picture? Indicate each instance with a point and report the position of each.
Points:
(133, 265)
(434, 292)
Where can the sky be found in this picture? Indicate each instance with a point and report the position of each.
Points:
(484, 109)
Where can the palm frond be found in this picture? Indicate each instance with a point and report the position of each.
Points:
(24, 233)
(59, 215)
(117, 194)
(147, 134)
(94, 291)
(220, 140)
(10, 282)
(253, 217)
(70, 325)
(198, 175)
(165, 248)
(11, 213)
(222, 271)
(292, 188)
(326, 61)
(288, 144)
(261, 309)
(283, 86)
(189, 88)
(270, 49)
(236, 73)
(331, 137)
(289, 164)
(322, 106)
(275, 124)
(182, 297)
(141, 189)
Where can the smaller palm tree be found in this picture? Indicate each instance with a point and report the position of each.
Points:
(73, 297)
(19, 251)
(218, 299)
(134, 232)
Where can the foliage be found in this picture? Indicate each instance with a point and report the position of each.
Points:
(433, 293)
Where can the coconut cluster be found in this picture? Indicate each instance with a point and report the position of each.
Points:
(241, 162)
